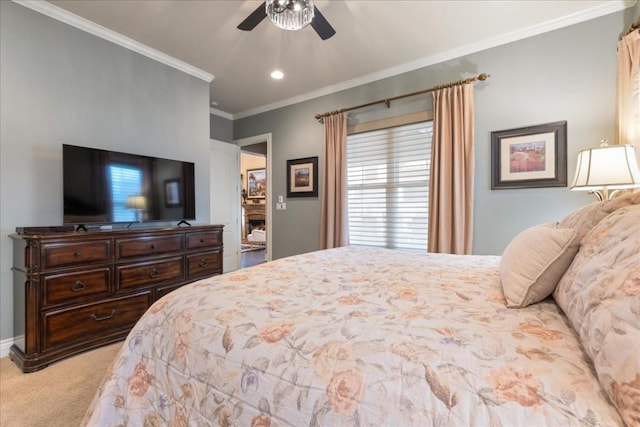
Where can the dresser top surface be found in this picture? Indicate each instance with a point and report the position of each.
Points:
(119, 232)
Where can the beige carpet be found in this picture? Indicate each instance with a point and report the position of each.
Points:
(57, 396)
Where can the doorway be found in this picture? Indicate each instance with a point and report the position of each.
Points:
(255, 225)
(253, 220)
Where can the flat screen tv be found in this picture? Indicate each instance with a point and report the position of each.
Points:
(107, 187)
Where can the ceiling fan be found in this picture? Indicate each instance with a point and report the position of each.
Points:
(290, 15)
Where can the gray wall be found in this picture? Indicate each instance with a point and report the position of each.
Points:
(220, 128)
(61, 85)
(632, 14)
(568, 74)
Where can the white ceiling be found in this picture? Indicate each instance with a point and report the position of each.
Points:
(374, 39)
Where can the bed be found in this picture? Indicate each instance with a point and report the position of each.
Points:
(375, 337)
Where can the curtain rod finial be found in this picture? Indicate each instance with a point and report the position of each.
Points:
(484, 76)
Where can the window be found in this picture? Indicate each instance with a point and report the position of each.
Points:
(125, 181)
(388, 186)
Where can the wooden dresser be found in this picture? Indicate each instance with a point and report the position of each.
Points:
(76, 291)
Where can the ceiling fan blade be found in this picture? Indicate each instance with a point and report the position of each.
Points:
(254, 19)
(321, 25)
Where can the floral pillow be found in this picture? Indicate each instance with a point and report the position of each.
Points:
(584, 219)
(600, 294)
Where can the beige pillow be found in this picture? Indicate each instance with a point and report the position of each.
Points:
(534, 261)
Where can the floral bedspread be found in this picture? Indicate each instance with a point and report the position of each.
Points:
(352, 337)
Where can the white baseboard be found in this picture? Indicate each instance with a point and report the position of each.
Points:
(6, 344)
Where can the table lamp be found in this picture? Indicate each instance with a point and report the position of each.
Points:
(606, 170)
(139, 203)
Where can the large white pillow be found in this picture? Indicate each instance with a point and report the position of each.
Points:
(534, 261)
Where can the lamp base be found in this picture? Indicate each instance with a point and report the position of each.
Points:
(605, 194)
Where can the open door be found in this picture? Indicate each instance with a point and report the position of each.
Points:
(225, 199)
(255, 141)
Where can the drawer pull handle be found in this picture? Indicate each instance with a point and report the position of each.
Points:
(78, 286)
(153, 273)
(78, 254)
(153, 246)
(203, 263)
(107, 317)
(201, 240)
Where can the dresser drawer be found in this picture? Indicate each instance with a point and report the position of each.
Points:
(204, 264)
(148, 246)
(69, 254)
(149, 273)
(204, 239)
(90, 321)
(164, 290)
(69, 286)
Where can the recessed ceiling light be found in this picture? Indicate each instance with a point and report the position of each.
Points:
(277, 75)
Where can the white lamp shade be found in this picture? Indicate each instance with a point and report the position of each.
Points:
(613, 166)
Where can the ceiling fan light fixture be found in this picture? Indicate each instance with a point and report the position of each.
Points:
(290, 14)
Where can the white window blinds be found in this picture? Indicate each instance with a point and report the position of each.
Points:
(125, 181)
(388, 186)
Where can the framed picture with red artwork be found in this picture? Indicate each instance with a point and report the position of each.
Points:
(529, 157)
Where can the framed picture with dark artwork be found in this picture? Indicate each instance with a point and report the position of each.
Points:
(302, 177)
(529, 157)
(256, 183)
(172, 194)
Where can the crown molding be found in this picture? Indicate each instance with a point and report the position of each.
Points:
(220, 113)
(83, 24)
(534, 30)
